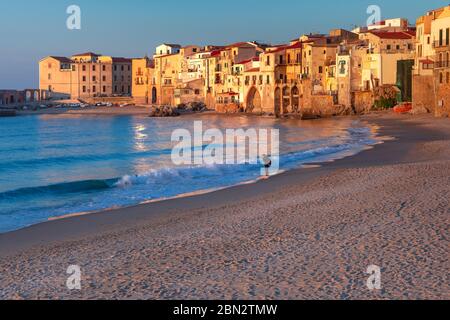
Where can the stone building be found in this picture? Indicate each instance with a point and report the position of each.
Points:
(430, 76)
(85, 76)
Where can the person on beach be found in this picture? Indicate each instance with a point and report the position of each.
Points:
(267, 162)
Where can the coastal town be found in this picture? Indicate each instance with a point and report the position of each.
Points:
(387, 64)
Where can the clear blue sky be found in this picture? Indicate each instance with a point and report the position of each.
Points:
(31, 30)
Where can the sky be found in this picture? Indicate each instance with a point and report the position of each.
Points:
(32, 30)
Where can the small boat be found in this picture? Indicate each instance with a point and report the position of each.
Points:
(403, 108)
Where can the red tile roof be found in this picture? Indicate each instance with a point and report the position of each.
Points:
(400, 35)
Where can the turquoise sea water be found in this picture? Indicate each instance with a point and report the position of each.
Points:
(52, 166)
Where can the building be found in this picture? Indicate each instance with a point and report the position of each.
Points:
(84, 76)
(143, 81)
(431, 71)
(167, 48)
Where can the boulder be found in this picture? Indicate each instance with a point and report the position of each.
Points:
(163, 112)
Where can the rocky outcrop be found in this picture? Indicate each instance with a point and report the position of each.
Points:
(163, 112)
(192, 107)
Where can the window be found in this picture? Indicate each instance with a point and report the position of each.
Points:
(441, 78)
(115, 68)
(268, 61)
(93, 68)
(73, 68)
(447, 36)
(84, 68)
(320, 69)
(49, 65)
(398, 47)
(84, 89)
(84, 78)
(94, 78)
(122, 68)
(49, 76)
(289, 58)
(129, 68)
(104, 78)
(104, 89)
(123, 88)
(115, 89)
(94, 89)
(428, 40)
(441, 37)
(447, 78)
(268, 80)
(197, 91)
(389, 47)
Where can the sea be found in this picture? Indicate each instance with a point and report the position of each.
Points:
(52, 166)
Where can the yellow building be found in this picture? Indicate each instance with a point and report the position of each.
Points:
(431, 80)
(85, 76)
(143, 84)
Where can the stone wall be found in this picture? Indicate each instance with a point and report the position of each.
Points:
(363, 101)
(423, 95)
(443, 101)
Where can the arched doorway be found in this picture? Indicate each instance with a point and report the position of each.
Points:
(253, 100)
(295, 100)
(277, 102)
(286, 100)
(154, 95)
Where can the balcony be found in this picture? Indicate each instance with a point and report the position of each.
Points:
(442, 64)
(441, 44)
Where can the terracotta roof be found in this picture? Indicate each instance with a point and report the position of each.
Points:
(427, 61)
(215, 53)
(394, 35)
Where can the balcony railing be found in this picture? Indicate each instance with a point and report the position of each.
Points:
(442, 64)
(441, 44)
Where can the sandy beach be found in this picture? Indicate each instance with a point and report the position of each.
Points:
(306, 234)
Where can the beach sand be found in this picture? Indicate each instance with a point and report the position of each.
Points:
(306, 234)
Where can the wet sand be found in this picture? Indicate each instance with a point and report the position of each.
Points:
(306, 234)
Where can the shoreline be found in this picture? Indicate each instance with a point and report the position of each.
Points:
(158, 219)
(313, 166)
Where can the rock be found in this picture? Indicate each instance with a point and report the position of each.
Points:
(419, 110)
(163, 112)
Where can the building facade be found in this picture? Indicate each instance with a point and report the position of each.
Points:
(84, 76)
